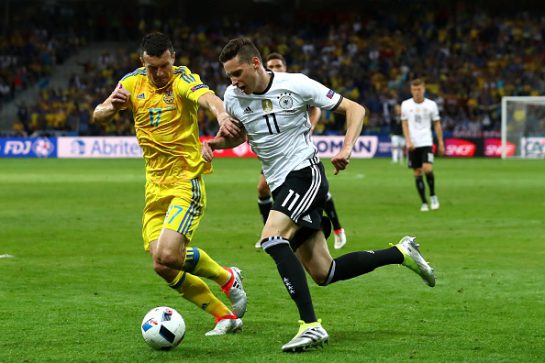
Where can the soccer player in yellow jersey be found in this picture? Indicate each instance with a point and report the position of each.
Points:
(164, 100)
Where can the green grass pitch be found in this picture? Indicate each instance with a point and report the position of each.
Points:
(79, 283)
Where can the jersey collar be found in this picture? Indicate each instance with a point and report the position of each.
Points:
(269, 85)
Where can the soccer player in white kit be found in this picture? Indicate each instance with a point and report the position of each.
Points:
(417, 115)
(273, 111)
(277, 63)
(396, 135)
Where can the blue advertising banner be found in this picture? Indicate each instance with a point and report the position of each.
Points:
(28, 147)
(127, 147)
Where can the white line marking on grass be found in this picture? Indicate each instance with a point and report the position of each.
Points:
(6, 256)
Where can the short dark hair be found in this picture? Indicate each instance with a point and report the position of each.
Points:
(243, 47)
(278, 56)
(155, 44)
(417, 82)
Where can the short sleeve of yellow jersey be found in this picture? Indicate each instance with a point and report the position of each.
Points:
(190, 85)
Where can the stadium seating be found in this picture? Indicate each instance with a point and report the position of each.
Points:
(469, 61)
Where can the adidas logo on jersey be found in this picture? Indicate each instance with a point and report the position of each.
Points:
(141, 96)
(247, 110)
(307, 219)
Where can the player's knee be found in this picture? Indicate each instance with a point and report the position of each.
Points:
(263, 191)
(318, 274)
(169, 258)
(319, 277)
(161, 270)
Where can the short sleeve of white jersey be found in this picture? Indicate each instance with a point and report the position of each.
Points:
(316, 94)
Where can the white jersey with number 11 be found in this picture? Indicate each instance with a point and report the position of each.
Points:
(277, 121)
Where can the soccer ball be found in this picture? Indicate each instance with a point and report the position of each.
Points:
(163, 328)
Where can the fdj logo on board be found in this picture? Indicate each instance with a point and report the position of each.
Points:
(17, 147)
(23, 148)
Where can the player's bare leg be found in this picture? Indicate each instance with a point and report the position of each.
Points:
(315, 257)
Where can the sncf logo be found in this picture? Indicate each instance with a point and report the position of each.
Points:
(459, 147)
(493, 148)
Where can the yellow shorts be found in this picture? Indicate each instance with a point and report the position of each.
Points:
(177, 207)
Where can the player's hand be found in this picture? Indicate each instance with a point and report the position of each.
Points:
(229, 126)
(120, 97)
(341, 161)
(441, 149)
(207, 152)
(410, 146)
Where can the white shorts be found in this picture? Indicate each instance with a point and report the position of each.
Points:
(397, 141)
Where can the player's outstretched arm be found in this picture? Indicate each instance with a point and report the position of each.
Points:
(118, 100)
(228, 125)
(220, 142)
(355, 119)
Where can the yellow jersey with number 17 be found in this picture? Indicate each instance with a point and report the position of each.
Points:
(166, 124)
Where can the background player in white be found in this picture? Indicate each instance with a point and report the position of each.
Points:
(273, 110)
(396, 135)
(277, 63)
(417, 115)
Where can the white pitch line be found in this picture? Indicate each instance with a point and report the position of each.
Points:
(6, 256)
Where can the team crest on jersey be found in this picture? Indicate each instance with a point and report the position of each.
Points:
(267, 105)
(168, 97)
(285, 100)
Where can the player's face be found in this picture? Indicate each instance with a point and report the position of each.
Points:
(418, 92)
(276, 65)
(243, 75)
(160, 69)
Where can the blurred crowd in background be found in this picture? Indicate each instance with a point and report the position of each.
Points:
(469, 56)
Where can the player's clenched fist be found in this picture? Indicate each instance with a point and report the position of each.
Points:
(341, 161)
(120, 97)
(229, 126)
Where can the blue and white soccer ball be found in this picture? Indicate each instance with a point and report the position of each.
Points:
(163, 328)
